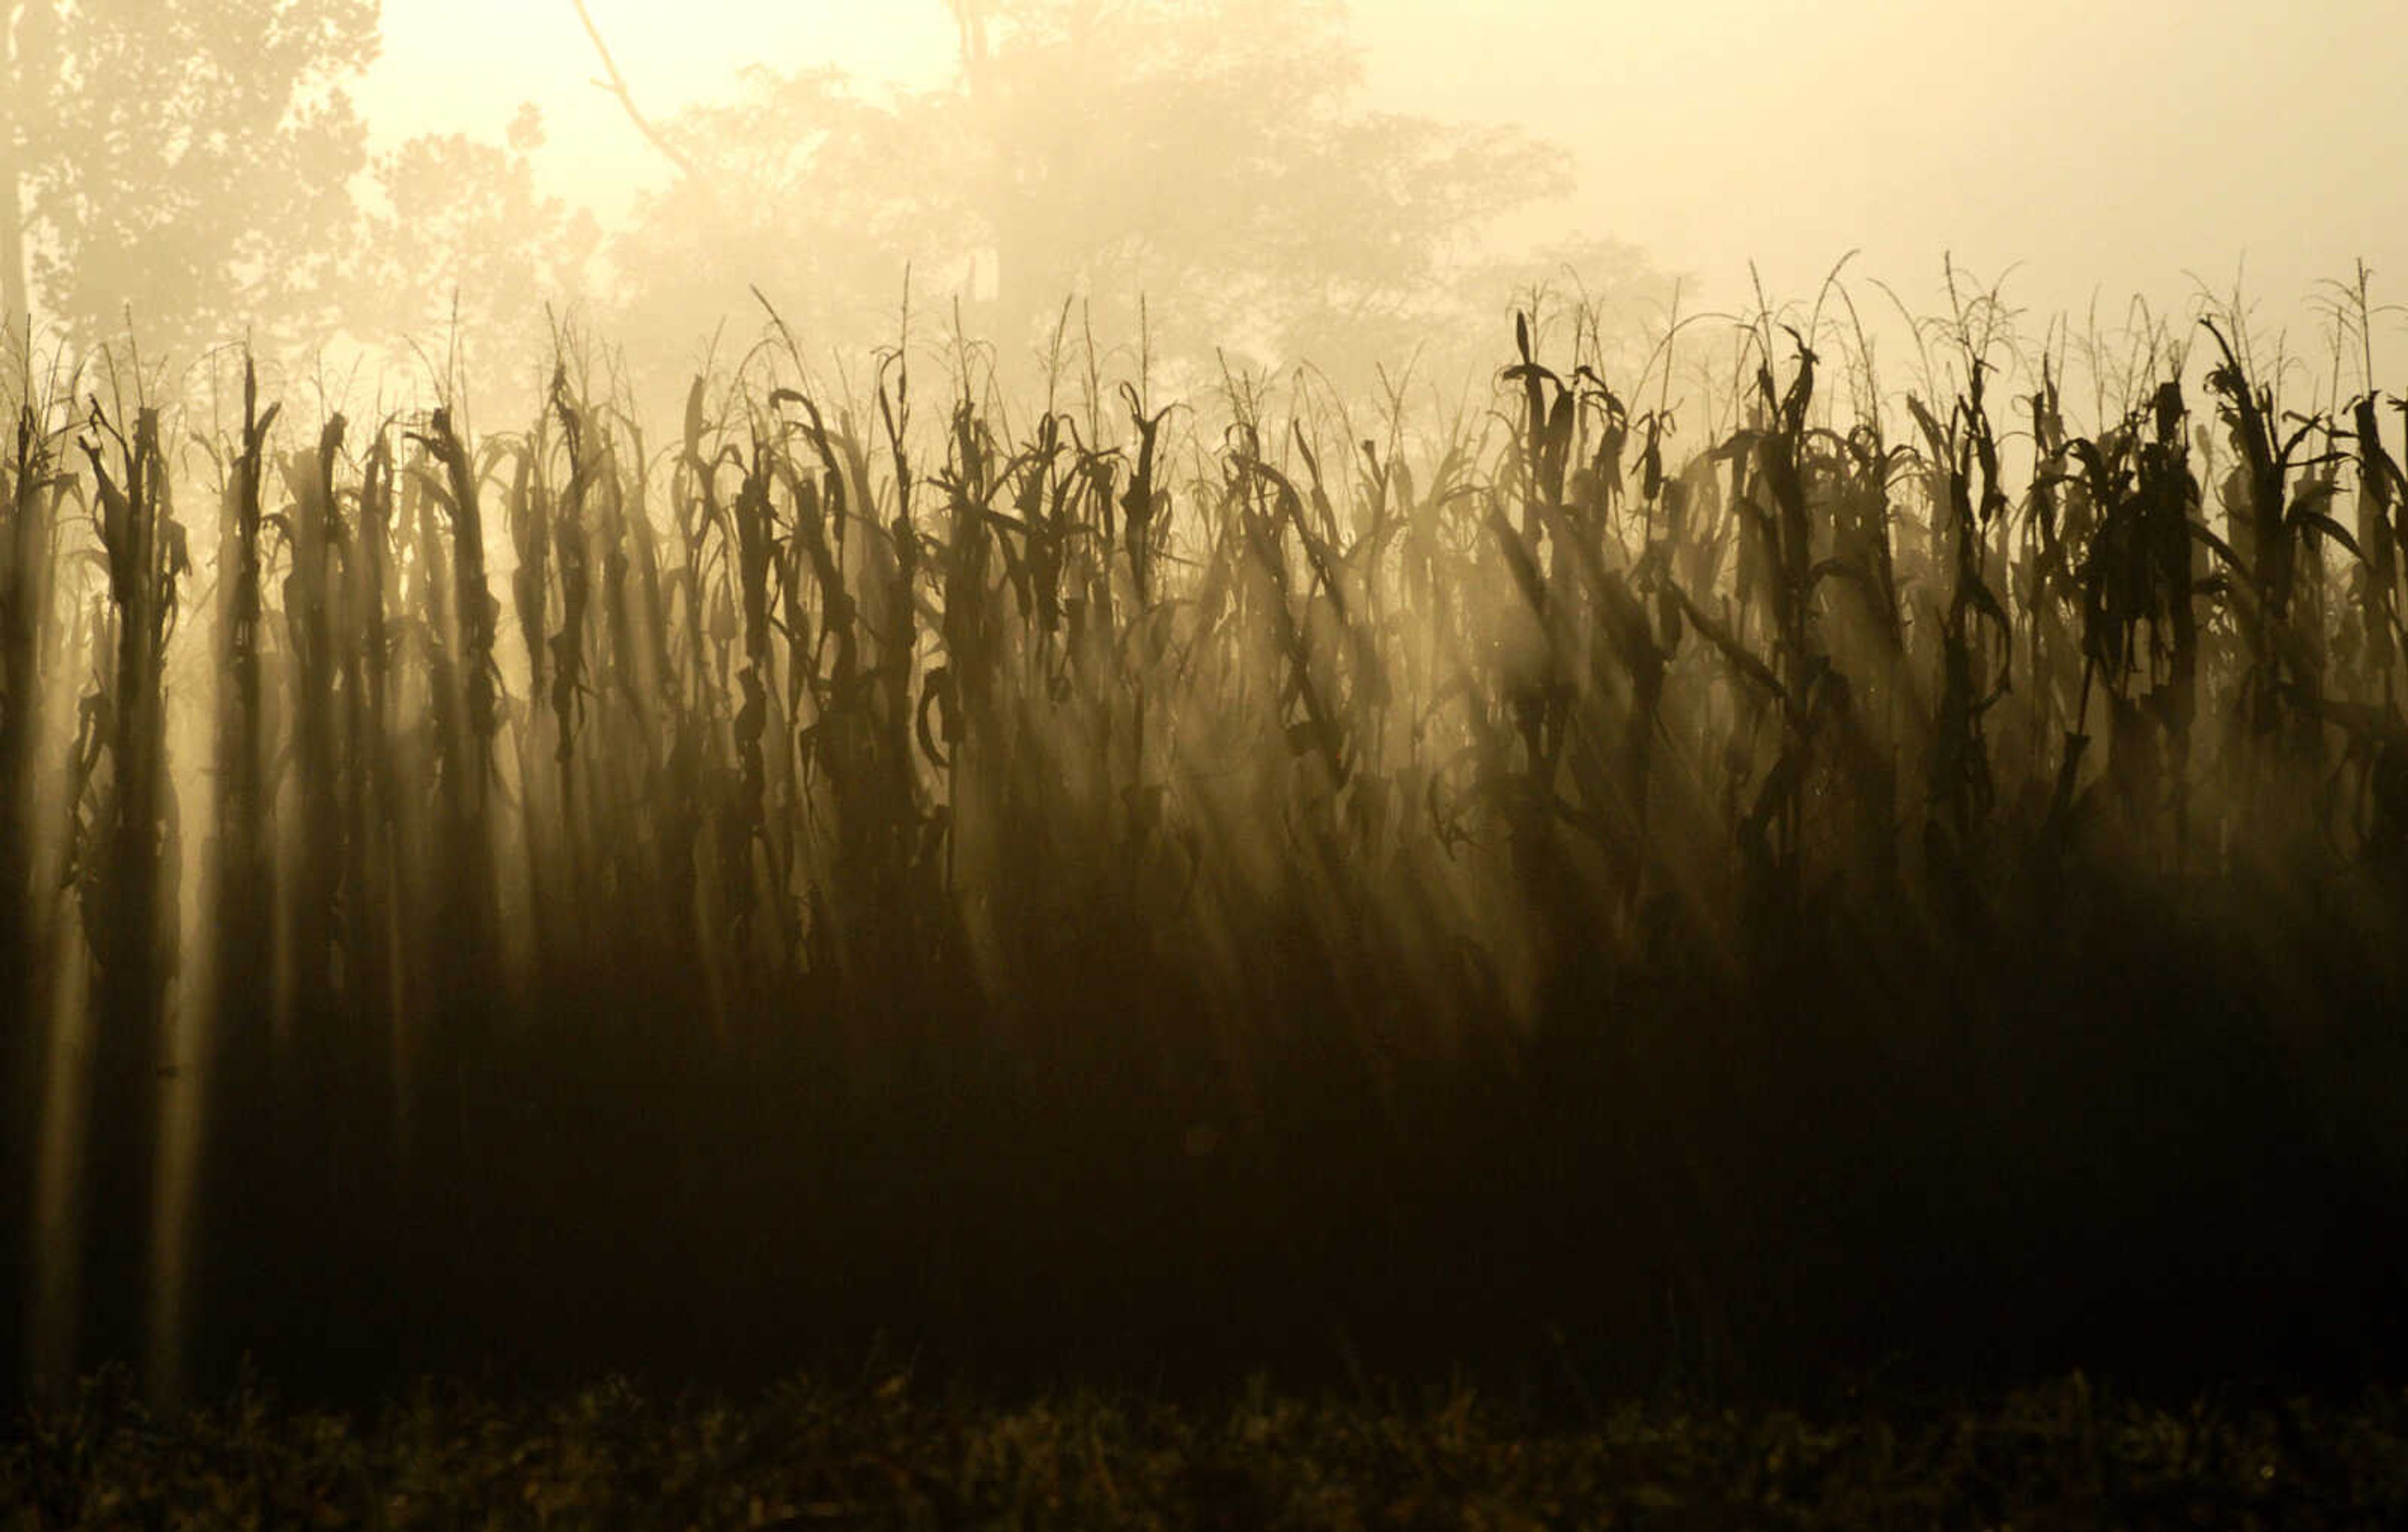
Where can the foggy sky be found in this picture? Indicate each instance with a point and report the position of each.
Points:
(2102, 149)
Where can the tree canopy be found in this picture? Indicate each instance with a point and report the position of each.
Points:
(1210, 156)
(199, 168)
(179, 159)
(460, 229)
(200, 165)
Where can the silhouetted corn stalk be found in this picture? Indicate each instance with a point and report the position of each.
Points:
(1976, 637)
(450, 1091)
(2265, 541)
(123, 868)
(1317, 761)
(31, 482)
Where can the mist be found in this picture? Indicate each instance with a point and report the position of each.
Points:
(2145, 150)
(1137, 692)
(1219, 186)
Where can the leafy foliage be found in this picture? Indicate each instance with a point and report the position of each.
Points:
(463, 247)
(182, 157)
(1207, 153)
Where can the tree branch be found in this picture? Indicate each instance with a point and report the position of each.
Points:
(617, 85)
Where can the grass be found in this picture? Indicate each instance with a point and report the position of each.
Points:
(887, 1453)
(1174, 884)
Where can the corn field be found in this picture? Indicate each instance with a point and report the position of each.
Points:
(1721, 884)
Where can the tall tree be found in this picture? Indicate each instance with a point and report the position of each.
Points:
(1211, 155)
(189, 159)
(459, 245)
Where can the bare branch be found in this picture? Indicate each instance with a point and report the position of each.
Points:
(617, 85)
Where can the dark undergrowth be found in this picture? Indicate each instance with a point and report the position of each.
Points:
(890, 1452)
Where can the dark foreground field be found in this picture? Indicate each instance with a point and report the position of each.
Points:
(887, 1454)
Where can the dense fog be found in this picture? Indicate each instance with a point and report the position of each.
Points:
(1278, 179)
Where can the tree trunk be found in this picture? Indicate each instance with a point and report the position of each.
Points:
(20, 625)
(26, 509)
(13, 305)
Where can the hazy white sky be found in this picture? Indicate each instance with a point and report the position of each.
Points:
(2113, 144)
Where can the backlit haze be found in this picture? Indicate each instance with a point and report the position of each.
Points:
(2102, 152)
(593, 778)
